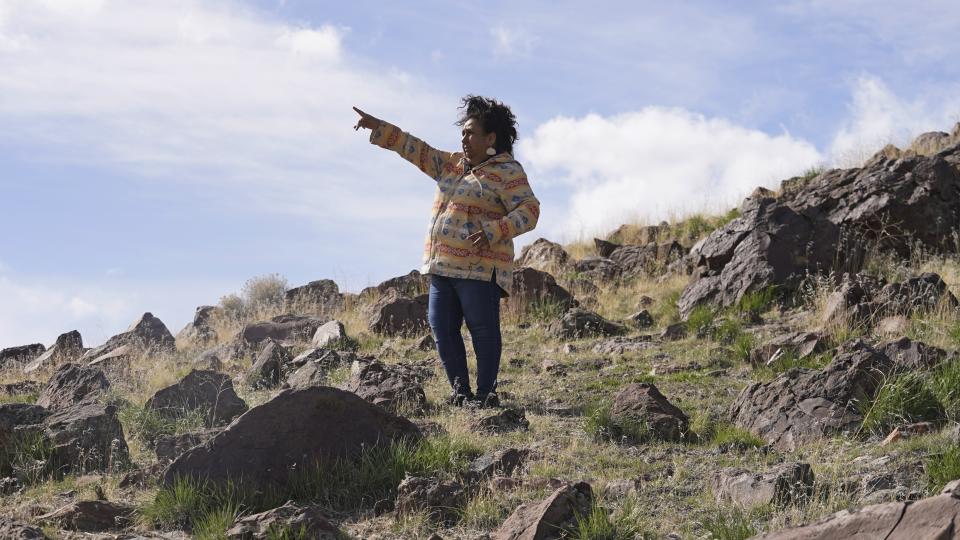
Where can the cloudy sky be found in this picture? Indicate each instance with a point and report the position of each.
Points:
(155, 154)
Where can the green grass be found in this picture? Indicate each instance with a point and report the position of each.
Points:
(343, 486)
(30, 397)
(626, 523)
(945, 385)
(700, 320)
(901, 399)
(730, 437)
(942, 468)
(753, 304)
(666, 310)
(732, 523)
(148, 425)
(599, 424)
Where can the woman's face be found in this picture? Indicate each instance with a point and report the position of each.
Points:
(475, 141)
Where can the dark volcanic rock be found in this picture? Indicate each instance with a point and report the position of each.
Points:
(640, 412)
(171, 446)
(91, 516)
(85, 437)
(21, 354)
(909, 355)
(781, 485)
(502, 422)
(933, 518)
(642, 319)
(796, 345)
(147, 333)
(674, 332)
(543, 255)
(72, 384)
(16, 530)
(200, 331)
(395, 314)
(441, 500)
(532, 286)
(312, 366)
(270, 366)
(308, 521)
(579, 322)
(547, 519)
(269, 440)
(391, 386)
(331, 334)
(803, 405)
(598, 268)
(207, 392)
(68, 347)
(499, 463)
(412, 284)
(322, 295)
(775, 242)
(281, 328)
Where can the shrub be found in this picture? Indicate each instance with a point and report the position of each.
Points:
(730, 437)
(728, 331)
(264, 291)
(626, 523)
(752, 304)
(945, 385)
(732, 523)
(902, 399)
(700, 320)
(742, 346)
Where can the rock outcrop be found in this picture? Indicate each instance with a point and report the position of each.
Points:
(67, 348)
(206, 392)
(639, 412)
(549, 518)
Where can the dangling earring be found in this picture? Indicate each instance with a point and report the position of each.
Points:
(491, 151)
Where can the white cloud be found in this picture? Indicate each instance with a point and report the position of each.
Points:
(512, 41)
(878, 117)
(653, 164)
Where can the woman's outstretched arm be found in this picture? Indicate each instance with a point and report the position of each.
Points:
(428, 159)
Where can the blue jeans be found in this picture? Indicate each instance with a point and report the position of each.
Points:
(451, 301)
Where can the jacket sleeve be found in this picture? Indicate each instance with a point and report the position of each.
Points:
(523, 209)
(428, 159)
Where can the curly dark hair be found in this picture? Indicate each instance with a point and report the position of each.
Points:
(494, 116)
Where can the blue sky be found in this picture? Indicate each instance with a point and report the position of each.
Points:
(156, 154)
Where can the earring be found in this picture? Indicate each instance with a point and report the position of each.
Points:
(491, 151)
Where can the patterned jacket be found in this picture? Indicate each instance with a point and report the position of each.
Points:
(494, 196)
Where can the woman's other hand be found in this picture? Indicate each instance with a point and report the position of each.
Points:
(479, 240)
(366, 121)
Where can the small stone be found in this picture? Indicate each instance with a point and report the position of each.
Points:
(674, 332)
(642, 319)
(509, 419)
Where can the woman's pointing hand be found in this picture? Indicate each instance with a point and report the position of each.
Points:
(366, 121)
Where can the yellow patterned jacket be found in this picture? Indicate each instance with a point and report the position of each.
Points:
(494, 196)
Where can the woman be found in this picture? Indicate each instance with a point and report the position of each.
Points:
(482, 202)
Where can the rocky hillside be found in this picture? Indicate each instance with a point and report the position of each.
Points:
(787, 370)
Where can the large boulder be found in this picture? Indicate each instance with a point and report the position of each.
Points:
(395, 314)
(412, 284)
(543, 255)
(270, 366)
(85, 437)
(894, 205)
(532, 286)
(796, 345)
(578, 322)
(780, 485)
(20, 354)
(146, 334)
(598, 268)
(639, 412)
(20, 426)
(207, 392)
(392, 386)
(549, 518)
(200, 331)
(72, 384)
(331, 335)
(168, 447)
(440, 500)
(311, 367)
(17, 530)
(283, 328)
(934, 518)
(321, 296)
(803, 405)
(263, 445)
(91, 516)
(68, 347)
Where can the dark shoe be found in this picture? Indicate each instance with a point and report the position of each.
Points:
(486, 401)
(459, 400)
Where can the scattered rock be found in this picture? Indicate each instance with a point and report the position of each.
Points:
(331, 334)
(396, 386)
(9, 486)
(20, 355)
(282, 328)
(803, 405)
(269, 440)
(320, 296)
(598, 268)
(640, 412)
(618, 489)
(909, 355)
(532, 286)
(208, 392)
(426, 343)
(85, 437)
(543, 255)
(933, 517)
(645, 302)
(170, 446)
(313, 366)
(548, 518)
(553, 367)
(499, 463)
(674, 332)
(16, 530)
(397, 315)
(783, 484)
(68, 348)
(20, 388)
(412, 284)
(440, 500)
(200, 331)
(291, 518)
(620, 345)
(641, 319)
(91, 516)
(146, 334)
(142, 477)
(270, 365)
(507, 420)
(796, 345)
(579, 322)
(906, 431)
(72, 384)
